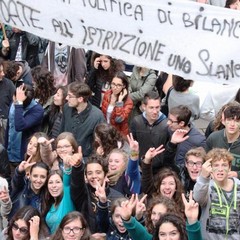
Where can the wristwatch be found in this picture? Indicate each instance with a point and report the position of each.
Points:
(19, 102)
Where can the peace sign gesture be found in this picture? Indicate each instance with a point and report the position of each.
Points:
(152, 152)
(44, 142)
(140, 207)
(25, 164)
(127, 208)
(134, 147)
(100, 191)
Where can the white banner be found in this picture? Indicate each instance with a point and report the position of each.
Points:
(196, 41)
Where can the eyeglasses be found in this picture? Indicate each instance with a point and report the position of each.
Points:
(22, 230)
(191, 163)
(63, 147)
(116, 85)
(75, 230)
(171, 121)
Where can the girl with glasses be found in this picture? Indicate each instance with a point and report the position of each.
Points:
(72, 226)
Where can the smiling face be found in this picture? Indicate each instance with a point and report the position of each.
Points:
(168, 231)
(32, 146)
(55, 185)
(118, 220)
(152, 109)
(38, 178)
(64, 148)
(194, 166)
(220, 169)
(157, 211)
(94, 172)
(116, 162)
(168, 186)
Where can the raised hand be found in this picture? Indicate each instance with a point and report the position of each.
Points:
(45, 142)
(152, 152)
(20, 93)
(34, 227)
(133, 144)
(100, 191)
(206, 169)
(191, 208)
(96, 62)
(179, 136)
(122, 95)
(4, 195)
(127, 208)
(140, 207)
(25, 164)
(76, 159)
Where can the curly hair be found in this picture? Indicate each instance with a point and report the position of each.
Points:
(44, 84)
(217, 154)
(177, 197)
(176, 220)
(167, 202)
(108, 136)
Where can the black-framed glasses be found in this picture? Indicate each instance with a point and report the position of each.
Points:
(75, 230)
(171, 121)
(191, 163)
(116, 85)
(22, 230)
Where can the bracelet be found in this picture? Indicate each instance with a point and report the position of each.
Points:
(126, 220)
(134, 154)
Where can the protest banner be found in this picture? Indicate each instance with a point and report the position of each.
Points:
(196, 41)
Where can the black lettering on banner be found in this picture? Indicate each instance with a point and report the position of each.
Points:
(116, 6)
(164, 16)
(230, 69)
(229, 28)
(67, 1)
(17, 13)
(63, 27)
(179, 63)
(127, 43)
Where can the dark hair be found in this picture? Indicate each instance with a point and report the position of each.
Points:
(167, 202)
(71, 216)
(29, 93)
(11, 68)
(151, 95)
(237, 97)
(109, 137)
(177, 197)
(229, 2)
(94, 158)
(232, 112)
(180, 84)
(176, 220)
(182, 113)
(51, 200)
(45, 84)
(125, 82)
(80, 89)
(26, 213)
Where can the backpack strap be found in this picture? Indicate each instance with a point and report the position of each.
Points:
(168, 93)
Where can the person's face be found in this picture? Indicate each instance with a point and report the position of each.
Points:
(235, 5)
(168, 231)
(32, 146)
(232, 126)
(58, 98)
(118, 220)
(157, 211)
(38, 178)
(152, 109)
(64, 148)
(117, 85)
(1, 72)
(94, 173)
(168, 187)
(20, 230)
(55, 185)
(105, 62)
(173, 123)
(73, 230)
(115, 162)
(194, 166)
(220, 170)
(72, 100)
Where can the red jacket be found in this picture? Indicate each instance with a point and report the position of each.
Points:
(120, 113)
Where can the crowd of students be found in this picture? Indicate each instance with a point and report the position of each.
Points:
(87, 153)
